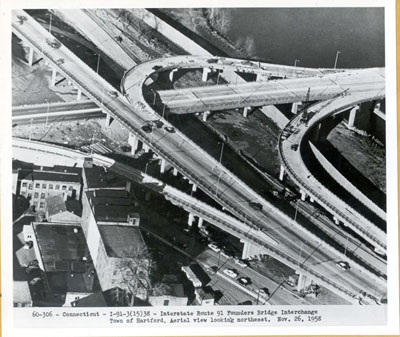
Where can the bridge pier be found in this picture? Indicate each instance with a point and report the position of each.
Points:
(352, 116)
(295, 107)
(30, 56)
(172, 74)
(282, 173)
(200, 223)
(337, 222)
(246, 110)
(53, 76)
(194, 186)
(133, 142)
(174, 172)
(249, 249)
(145, 147)
(79, 96)
(206, 71)
(163, 165)
(303, 195)
(190, 219)
(108, 120)
(205, 115)
(303, 282)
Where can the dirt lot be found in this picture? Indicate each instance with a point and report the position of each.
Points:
(363, 153)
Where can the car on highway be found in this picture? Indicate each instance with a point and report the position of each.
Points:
(231, 273)
(343, 265)
(264, 291)
(169, 129)
(255, 205)
(158, 123)
(214, 247)
(240, 262)
(244, 281)
(113, 93)
(147, 128)
(53, 43)
(294, 147)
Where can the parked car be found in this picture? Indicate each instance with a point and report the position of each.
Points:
(240, 262)
(147, 128)
(231, 273)
(343, 265)
(214, 247)
(169, 129)
(244, 281)
(158, 123)
(264, 291)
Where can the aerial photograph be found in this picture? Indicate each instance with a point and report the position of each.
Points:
(198, 157)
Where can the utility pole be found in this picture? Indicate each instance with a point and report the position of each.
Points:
(336, 59)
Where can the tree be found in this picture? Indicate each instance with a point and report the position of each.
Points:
(135, 271)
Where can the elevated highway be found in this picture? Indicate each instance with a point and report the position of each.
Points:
(38, 113)
(318, 259)
(279, 91)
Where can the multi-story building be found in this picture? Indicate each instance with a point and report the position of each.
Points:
(111, 226)
(37, 185)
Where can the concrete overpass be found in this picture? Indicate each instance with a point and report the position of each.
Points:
(204, 171)
(260, 93)
(48, 112)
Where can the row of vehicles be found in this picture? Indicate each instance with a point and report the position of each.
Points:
(148, 127)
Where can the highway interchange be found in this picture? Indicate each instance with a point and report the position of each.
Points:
(207, 173)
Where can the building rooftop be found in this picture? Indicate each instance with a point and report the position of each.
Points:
(98, 177)
(56, 204)
(110, 206)
(59, 242)
(122, 241)
(114, 297)
(49, 176)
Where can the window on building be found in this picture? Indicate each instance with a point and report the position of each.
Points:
(57, 187)
(37, 185)
(50, 186)
(70, 188)
(30, 195)
(42, 195)
(24, 184)
(44, 186)
(35, 203)
(166, 302)
(30, 186)
(41, 205)
(23, 193)
(36, 195)
(64, 187)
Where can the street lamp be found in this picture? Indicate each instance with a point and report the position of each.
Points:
(154, 96)
(98, 63)
(295, 62)
(337, 55)
(51, 17)
(47, 113)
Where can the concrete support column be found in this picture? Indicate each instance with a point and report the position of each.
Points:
(175, 172)
(352, 116)
(303, 195)
(145, 147)
(311, 199)
(200, 223)
(206, 71)
(172, 74)
(162, 165)
(108, 120)
(282, 173)
(30, 57)
(337, 222)
(133, 142)
(249, 250)
(53, 76)
(128, 186)
(205, 115)
(190, 219)
(246, 110)
(304, 281)
(194, 187)
(79, 95)
(295, 107)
